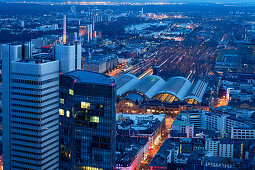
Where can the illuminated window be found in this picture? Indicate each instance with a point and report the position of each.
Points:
(94, 119)
(99, 107)
(61, 112)
(70, 91)
(67, 113)
(91, 168)
(190, 101)
(85, 105)
(194, 116)
(129, 104)
(62, 101)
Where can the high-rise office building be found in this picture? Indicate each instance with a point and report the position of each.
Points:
(69, 56)
(87, 121)
(30, 110)
(9, 53)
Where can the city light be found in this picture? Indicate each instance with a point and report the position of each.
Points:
(127, 85)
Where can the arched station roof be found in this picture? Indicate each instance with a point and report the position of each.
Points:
(176, 86)
(197, 91)
(149, 85)
(154, 87)
(125, 82)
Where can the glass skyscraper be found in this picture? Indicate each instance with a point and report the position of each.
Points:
(87, 121)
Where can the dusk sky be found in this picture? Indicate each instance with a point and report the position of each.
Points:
(220, 1)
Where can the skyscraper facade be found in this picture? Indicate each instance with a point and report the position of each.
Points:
(10, 52)
(69, 56)
(87, 121)
(30, 111)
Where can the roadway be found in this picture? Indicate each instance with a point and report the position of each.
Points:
(222, 102)
(153, 151)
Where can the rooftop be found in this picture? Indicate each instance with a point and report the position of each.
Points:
(127, 149)
(245, 127)
(136, 123)
(34, 61)
(177, 86)
(149, 85)
(160, 159)
(182, 123)
(154, 87)
(221, 160)
(125, 82)
(82, 76)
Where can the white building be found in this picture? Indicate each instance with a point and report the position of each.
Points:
(212, 146)
(30, 111)
(212, 120)
(182, 127)
(96, 66)
(196, 117)
(22, 24)
(233, 122)
(222, 122)
(52, 27)
(226, 149)
(220, 148)
(69, 56)
(243, 132)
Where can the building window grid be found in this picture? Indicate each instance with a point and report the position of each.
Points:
(78, 132)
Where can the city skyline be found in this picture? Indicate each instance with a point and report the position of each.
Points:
(127, 85)
(143, 1)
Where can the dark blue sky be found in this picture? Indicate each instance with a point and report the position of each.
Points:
(233, 1)
(185, 1)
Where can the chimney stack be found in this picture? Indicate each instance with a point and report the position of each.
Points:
(64, 29)
(75, 36)
(93, 22)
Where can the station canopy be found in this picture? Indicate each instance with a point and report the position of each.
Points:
(154, 87)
